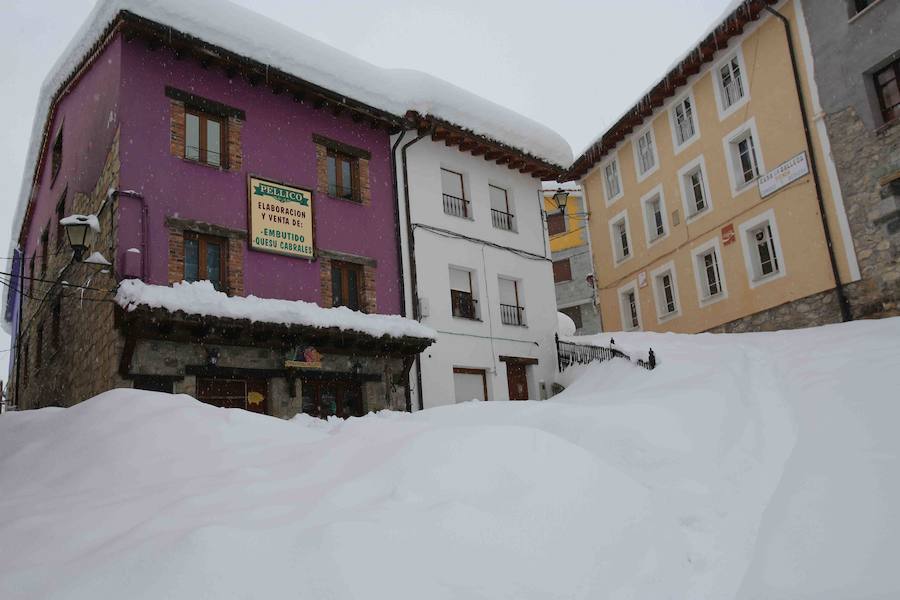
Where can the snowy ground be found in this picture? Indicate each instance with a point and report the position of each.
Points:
(746, 466)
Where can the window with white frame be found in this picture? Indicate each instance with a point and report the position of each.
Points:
(654, 209)
(666, 292)
(732, 88)
(695, 191)
(683, 121)
(645, 152)
(743, 156)
(762, 249)
(708, 272)
(619, 237)
(612, 181)
(630, 306)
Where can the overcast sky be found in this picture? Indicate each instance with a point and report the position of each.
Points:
(573, 65)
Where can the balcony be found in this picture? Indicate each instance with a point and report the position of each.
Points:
(456, 207)
(502, 220)
(510, 314)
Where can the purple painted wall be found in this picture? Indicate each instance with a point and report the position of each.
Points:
(277, 144)
(88, 116)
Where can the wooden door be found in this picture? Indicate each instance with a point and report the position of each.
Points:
(326, 398)
(248, 394)
(517, 379)
(258, 396)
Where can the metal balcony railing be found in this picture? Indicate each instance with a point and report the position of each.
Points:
(510, 314)
(456, 207)
(502, 220)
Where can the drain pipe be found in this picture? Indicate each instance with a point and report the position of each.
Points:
(846, 314)
(407, 394)
(411, 250)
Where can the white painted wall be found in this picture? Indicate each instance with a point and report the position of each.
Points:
(463, 342)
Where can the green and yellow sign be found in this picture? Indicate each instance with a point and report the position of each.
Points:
(281, 218)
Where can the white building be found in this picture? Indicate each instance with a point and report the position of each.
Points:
(481, 273)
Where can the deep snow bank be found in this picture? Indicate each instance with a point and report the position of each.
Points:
(752, 466)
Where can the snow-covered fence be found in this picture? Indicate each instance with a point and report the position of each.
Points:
(568, 354)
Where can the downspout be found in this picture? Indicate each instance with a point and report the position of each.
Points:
(145, 226)
(411, 250)
(407, 394)
(18, 341)
(846, 314)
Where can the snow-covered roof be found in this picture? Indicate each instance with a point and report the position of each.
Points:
(735, 11)
(201, 298)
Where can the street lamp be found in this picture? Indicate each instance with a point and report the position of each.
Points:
(561, 197)
(79, 229)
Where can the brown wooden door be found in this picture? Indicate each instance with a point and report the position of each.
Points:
(517, 378)
(258, 396)
(326, 398)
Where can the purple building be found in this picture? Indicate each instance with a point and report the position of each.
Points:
(205, 166)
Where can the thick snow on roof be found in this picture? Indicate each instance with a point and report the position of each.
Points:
(201, 298)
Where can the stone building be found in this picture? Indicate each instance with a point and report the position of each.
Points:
(711, 200)
(269, 196)
(573, 266)
(855, 46)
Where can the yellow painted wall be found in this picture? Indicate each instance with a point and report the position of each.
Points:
(576, 223)
(774, 106)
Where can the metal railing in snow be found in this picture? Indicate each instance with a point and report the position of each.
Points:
(569, 354)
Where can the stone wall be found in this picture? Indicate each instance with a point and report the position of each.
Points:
(69, 348)
(812, 311)
(868, 166)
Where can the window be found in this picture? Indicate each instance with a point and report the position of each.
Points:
(556, 223)
(501, 213)
(684, 124)
(645, 153)
(153, 383)
(455, 203)
(857, 6)
(205, 258)
(343, 176)
(887, 87)
(574, 313)
(39, 348)
(708, 272)
(469, 384)
(562, 270)
(666, 291)
(694, 189)
(45, 249)
(463, 303)
(56, 322)
(204, 137)
(346, 284)
(512, 312)
(654, 215)
(60, 228)
(762, 249)
(743, 156)
(56, 155)
(619, 237)
(731, 83)
(324, 398)
(613, 183)
(630, 306)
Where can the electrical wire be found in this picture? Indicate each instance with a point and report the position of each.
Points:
(450, 234)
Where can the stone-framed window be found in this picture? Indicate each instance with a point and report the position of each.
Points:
(342, 171)
(205, 131)
(185, 235)
(336, 269)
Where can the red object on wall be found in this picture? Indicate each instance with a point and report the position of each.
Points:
(728, 236)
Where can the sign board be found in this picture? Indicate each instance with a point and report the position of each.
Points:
(281, 218)
(304, 358)
(728, 235)
(642, 279)
(783, 175)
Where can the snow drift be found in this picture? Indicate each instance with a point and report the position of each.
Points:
(743, 467)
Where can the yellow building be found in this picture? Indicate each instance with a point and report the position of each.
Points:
(572, 265)
(705, 197)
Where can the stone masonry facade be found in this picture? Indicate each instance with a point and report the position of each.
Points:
(69, 347)
(812, 311)
(868, 165)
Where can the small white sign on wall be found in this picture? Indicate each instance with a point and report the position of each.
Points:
(783, 175)
(642, 279)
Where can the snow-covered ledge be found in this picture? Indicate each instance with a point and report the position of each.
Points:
(201, 298)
